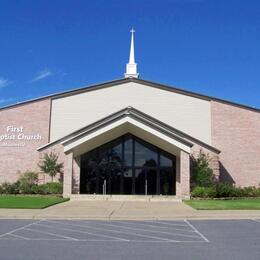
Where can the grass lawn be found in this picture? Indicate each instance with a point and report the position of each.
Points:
(224, 204)
(28, 202)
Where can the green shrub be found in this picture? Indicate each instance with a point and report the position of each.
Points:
(50, 188)
(204, 192)
(10, 188)
(28, 180)
(228, 190)
(225, 189)
(202, 174)
(251, 191)
(54, 187)
(1, 189)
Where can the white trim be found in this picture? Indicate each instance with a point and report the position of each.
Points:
(70, 145)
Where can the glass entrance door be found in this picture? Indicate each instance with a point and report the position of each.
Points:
(128, 165)
(145, 181)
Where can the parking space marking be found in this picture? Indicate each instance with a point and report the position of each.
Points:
(137, 232)
(18, 236)
(257, 220)
(52, 234)
(167, 223)
(127, 233)
(149, 231)
(84, 232)
(17, 229)
(155, 231)
(206, 240)
(154, 226)
(200, 236)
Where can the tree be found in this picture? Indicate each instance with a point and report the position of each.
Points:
(202, 174)
(50, 165)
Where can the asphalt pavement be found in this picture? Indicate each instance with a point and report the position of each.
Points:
(129, 240)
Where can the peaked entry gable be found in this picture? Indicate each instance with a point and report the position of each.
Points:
(124, 121)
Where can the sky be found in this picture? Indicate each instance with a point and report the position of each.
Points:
(210, 47)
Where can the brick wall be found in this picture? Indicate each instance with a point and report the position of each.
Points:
(236, 132)
(34, 118)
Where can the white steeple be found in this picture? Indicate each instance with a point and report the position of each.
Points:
(131, 66)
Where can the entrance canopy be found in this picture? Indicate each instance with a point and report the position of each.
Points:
(128, 120)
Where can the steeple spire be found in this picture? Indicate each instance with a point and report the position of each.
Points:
(131, 66)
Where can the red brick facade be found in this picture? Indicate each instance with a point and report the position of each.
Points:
(236, 132)
(34, 119)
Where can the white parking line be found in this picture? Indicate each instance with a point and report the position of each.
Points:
(84, 232)
(129, 231)
(17, 236)
(52, 234)
(151, 231)
(257, 220)
(184, 230)
(117, 231)
(20, 228)
(104, 240)
(166, 223)
(206, 240)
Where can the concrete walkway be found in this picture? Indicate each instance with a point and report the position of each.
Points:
(126, 210)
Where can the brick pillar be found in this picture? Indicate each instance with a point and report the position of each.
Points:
(76, 175)
(67, 178)
(184, 169)
(178, 177)
(214, 165)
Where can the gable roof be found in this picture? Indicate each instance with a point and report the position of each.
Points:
(136, 80)
(139, 116)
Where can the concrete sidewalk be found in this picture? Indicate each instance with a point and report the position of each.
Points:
(126, 210)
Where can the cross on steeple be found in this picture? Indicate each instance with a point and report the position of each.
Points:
(131, 67)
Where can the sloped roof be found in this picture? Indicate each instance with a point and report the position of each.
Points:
(136, 80)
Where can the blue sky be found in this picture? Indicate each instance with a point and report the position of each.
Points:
(206, 46)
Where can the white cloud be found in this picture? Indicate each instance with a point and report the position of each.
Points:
(4, 82)
(6, 100)
(42, 75)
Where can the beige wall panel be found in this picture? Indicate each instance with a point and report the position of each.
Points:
(188, 114)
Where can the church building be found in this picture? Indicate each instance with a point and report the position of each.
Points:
(131, 137)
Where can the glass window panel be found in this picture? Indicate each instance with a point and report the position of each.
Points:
(115, 156)
(127, 181)
(128, 152)
(166, 181)
(140, 181)
(151, 179)
(114, 181)
(145, 156)
(165, 161)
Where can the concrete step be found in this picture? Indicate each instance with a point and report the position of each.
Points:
(74, 197)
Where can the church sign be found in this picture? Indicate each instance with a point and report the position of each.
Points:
(16, 136)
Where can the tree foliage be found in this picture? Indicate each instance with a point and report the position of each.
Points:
(202, 174)
(50, 165)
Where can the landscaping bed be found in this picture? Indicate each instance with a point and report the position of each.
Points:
(29, 201)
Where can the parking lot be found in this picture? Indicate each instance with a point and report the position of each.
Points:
(89, 239)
